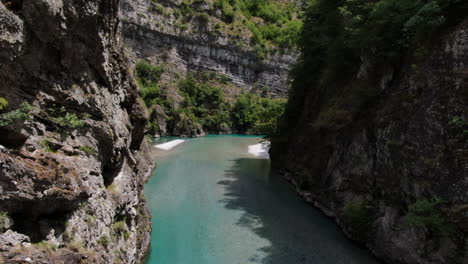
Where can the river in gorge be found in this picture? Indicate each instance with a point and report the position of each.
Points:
(214, 203)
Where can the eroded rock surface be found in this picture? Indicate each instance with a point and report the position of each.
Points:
(72, 172)
(159, 38)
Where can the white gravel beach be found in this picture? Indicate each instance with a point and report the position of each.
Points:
(171, 144)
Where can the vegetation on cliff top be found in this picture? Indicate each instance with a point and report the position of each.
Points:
(267, 25)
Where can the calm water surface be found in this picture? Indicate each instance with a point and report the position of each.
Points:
(213, 203)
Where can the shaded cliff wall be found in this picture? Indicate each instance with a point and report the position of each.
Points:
(72, 168)
(401, 161)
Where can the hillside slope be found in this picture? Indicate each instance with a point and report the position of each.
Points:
(220, 51)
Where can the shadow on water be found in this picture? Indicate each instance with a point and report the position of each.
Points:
(297, 233)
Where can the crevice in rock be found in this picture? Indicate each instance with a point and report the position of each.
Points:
(38, 228)
(110, 171)
(11, 139)
(41, 219)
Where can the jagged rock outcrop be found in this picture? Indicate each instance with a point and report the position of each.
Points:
(158, 38)
(74, 160)
(405, 158)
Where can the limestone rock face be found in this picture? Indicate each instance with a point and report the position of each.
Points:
(159, 38)
(409, 146)
(72, 172)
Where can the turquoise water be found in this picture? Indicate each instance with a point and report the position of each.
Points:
(213, 203)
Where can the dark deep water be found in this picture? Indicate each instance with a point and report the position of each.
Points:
(213, 203)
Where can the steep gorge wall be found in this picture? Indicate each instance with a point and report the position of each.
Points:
(157, 38)
(409, 146)
(70, 190)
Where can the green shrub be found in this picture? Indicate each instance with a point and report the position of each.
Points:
(252, 113)
(4, 221)
(48, 145)
(60, 117)
(153, 127)
(203, 18)
(359, 218)
(148, 73)
(46, 245)
(148, 76)
(23, 113)
(156, 7)
(104, 240)
(427, 213)
(70, 120)
(227, 10)
(3, 103)
(120, 228)
(88, 150)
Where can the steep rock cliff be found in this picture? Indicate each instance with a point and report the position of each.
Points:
(155, 35)
(394, 177)
(73, 164)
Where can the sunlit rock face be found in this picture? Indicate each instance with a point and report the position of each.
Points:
(159, 38)
(72, 173)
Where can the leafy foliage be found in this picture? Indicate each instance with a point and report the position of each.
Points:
(88, 150)
(70, 120)
(280, 27)
(3, 103)
(427, 213)
(148, 73)
(22, 113)
(60, 117)
(4, 221)
(48, 145)
(120, 228)
(148, 76)
(104, 240)
(256, 114)
(358, 217)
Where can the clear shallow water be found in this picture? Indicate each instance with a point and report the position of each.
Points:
(213, 203)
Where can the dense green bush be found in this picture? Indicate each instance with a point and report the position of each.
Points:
(64, 119)
(89, 150)
(204, 105)
(104, 240)
(22, 113)
(254, 114)
(3, 103)
(427, 213)
(48, 146)
(120, 228)
(359, 218)
(5, 221)
(148, 76)
(281, 27)
(70, 120)
(148, 73)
